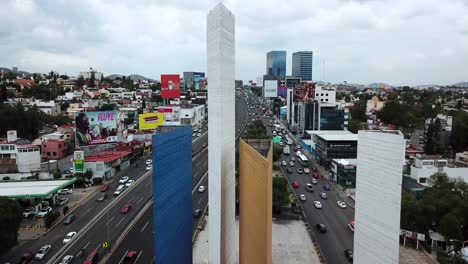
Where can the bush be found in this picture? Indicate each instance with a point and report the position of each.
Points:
(65, 210)
(97, 180)
(6, 178)
(50, 218)
(57, 174)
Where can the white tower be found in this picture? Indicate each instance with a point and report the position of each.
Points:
(221, 137)
(380, 160)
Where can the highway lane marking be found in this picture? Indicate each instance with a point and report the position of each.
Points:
(110, 220)
(125, 254)
(121, 220)
(144, 226)
(87, 211)
(87, 245)
(136, 260)
(129, 200)
(139, 200)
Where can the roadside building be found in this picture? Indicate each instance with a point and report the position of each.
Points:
(374, 105)
(18, 155)
(343, 172)
(48, 107)
(192, 115)
(424, 167)
(461, 159)
(54, 149)
(327, 145)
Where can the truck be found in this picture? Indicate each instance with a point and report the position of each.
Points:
(286, 150)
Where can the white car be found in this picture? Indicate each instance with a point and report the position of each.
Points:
(124, 179)
(65, 191)
(306, 170)
(314, 181)
(281, 143)
(318, 204)
(62, 201)
(29, 212)
(44, 211)
(42, 252)
(283, 163)
(291, 163)
(341, 204)
(201, 188)
(129, 182)
(302, 197)
(67, 259)
(149, 167)
(148, 162)
(119, 190)
(69, 237)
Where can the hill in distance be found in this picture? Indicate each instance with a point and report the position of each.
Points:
(133, 77)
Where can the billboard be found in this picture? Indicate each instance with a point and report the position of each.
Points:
(171, 115)
(304, 93)
(170, 85)
(150, 120)
(270, 89)
(199, 81)
(96, 127)
(283, 92)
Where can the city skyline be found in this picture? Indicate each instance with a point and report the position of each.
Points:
(357, 42)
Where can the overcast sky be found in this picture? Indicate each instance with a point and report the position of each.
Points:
(394, 41)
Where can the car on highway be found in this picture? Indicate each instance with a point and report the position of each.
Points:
(149, 161)
(283, 163)
(26, 258)
(44, 211)
(351, 225)
(149, 167)
(315, 175)
(126, 208)
(62, 201)
(321, 227)
(105, 187)
(42, 252)
(289, 170)
(41, 131)
(69, 237)
(92, 258)
(296, 184)
(341, 204)
(281, 143)
(298, 146)
(291, 163)
(318, 204)
(323, 195)
(300, 170)
(306, 170)
(204, 145)
(194, 134)
(65, 191)
(129, 183)
(293, 159)
(302, 197)
(198, 134)
(67, 259)
(326, 187)
(69, 219)
(196, 213)
(119, 190)
(124, 179)
(201, 189)
(308, 187)
(349, 254)
(130, 258)
(314, 181)
(29, 212)
(101, 197)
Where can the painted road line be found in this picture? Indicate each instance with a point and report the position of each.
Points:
(110, 220)
(125, 254)
(136, 260)
(144, 226)
(139, 200)
(121, 220)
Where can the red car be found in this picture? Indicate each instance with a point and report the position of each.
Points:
(126, 208)
(104, 187)
(314, 169)
(315, 175)
(131, 257)
(296, 184)
(26, 258)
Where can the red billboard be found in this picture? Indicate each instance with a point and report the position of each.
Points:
(170, 85)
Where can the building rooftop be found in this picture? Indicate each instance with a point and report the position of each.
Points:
(107, 156)
(32, 189)
(339, 137)
(323, 132)
(262, 146)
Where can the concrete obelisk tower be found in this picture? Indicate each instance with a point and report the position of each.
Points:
(221, 137)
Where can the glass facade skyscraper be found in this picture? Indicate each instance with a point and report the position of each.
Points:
(302, 65)
(276, 63)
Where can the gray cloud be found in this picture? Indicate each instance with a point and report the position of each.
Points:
(398, 42)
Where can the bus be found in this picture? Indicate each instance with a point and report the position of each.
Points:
(303, 160)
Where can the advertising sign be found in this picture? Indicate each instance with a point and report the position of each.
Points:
(78, 160)
(96, 127)
(171, 115)
(305, 93)
(270, 88)
(199, 81)
(283, 92)
(170, 85)
(150, 120)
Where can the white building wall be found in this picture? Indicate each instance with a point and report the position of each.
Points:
(380, 160)
(221, 139)
(28, 160)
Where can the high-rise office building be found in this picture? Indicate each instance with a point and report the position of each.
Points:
(221, 139)
(302, 65)
(380, 160)
(255, 201)
(276, 63)
(172, 194)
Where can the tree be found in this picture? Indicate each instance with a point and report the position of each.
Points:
(277, 151)
(450, 226)
(143, 104)
(107, 107)
(92, 80)
(57, 174)
(3, 93)
(280, 193)
(88, 174)
(80, 82)
(355, 125)
(10, 217)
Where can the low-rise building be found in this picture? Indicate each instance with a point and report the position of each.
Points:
(192, 115)
(461, 159)
(327, 145)
(424, 167)
(374, 105)
(343, 172)
(54, 149)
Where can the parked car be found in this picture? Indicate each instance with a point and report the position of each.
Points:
(201, 189)
(318, 204)
(105, 187)
(196, 213)
(42, 252)
(101, 197)
(308, 187)
(26, 258)
(341, 204)
(130, 182)
(65, 191)
(62, 201)
(69, 237)
(69, 219)
(119, 190)
(124, 179)
(126, 208)
(349, 254)
(322, 228)
(323, 195)
(29, 212)
(44, 211)
(67, 259)
(296, 184)
(130, 258)
(302, 197)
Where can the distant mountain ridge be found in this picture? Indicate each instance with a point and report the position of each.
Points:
(133, 77)
(10, 70)
(461, 84)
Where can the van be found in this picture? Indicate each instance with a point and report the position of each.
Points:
(92, 258)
